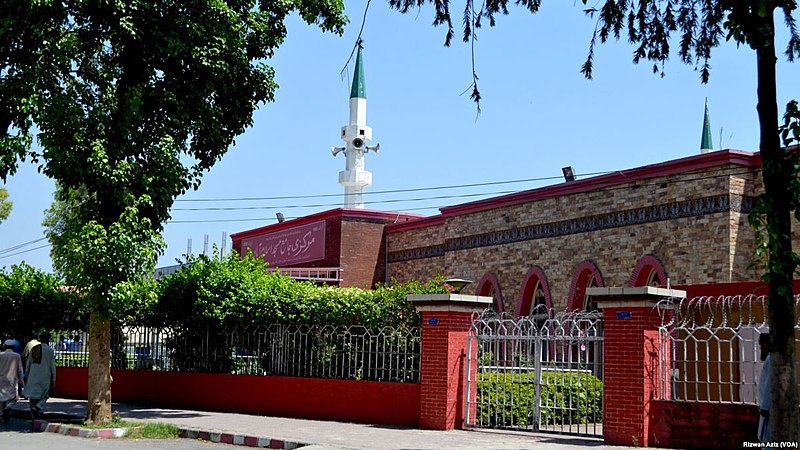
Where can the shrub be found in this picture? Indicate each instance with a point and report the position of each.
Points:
(32, 300)
(508, 399)
(237, 290)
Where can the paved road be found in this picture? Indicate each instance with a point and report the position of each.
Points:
(16, 435)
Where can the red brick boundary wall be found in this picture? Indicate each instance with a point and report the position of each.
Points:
(697, 425)
(446, 321)
(437, 402)
(308, 398)
(631, 378)
(633, 413)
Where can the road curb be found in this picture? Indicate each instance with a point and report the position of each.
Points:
(245, 440)
(239, 439)
(67, 430)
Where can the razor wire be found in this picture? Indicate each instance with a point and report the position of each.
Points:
(712, 347)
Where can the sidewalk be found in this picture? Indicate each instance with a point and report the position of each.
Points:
(325, 435)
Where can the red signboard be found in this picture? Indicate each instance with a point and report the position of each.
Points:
(288, 247)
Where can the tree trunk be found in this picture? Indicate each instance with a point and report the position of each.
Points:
(776, 172)
(99, 401)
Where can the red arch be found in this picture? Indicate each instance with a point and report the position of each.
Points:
(646, 266)
(488, 281)
(577, 290)
(535, 275)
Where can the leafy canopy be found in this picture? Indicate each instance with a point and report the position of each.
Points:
(648, 25)
(131, 102)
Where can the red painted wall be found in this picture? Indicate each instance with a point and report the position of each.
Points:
(740, 288)
(309, 398)
(702, 425)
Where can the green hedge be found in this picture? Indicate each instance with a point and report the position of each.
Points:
(240, 291)
(32, 300)
(508, 399)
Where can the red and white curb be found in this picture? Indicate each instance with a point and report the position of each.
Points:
(239, 439)
(67, 430)
(188, 433)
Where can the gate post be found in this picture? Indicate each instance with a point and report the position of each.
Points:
(446, 320)
(631, 358)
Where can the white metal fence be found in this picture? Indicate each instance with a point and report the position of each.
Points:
(353, 352)
(713, 347)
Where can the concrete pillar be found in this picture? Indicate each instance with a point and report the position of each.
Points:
(631, 356)
(446, 320)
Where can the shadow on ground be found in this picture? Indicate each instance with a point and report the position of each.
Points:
(16, 425)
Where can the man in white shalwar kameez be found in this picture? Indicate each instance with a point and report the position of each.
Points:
(40, 375)
(10, 378)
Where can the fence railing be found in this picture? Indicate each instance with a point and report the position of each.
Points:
(713, 343)
(541, 372)
(354, 352)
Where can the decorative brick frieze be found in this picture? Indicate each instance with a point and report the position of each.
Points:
(430, 251)
(615, 219)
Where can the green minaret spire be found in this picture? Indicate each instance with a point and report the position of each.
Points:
(705, 142)
(359, 89)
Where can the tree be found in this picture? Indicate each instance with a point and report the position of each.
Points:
(61, 222)
(5, 204)
(701, 25)
(131, 102)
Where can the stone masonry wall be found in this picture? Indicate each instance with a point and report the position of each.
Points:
(695, 223)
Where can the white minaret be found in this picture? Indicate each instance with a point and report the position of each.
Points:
(356, 136)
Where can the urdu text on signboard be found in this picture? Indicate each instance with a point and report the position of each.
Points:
(296, 245)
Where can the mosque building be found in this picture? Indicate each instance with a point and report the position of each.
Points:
(678, 222)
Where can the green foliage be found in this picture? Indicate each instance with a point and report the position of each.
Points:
(241, 291)
(5, 204)
(790, 135)
(508, 400)
(32, 300)
(131, 102)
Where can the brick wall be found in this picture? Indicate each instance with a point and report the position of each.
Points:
(441, 369)
(702, 425)
(708, 244)
(629, 375)
(362, 254)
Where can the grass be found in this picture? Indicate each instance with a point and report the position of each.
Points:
(153, 430)
(138, 430)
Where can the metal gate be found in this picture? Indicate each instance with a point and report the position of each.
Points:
(542, 372)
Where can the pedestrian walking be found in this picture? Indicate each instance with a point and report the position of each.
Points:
(40, 375)
(33, 342)
(10, 378)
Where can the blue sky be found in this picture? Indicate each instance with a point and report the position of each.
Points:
(538, 115)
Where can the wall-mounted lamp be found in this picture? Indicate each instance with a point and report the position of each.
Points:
(280, 217)
(569, 174)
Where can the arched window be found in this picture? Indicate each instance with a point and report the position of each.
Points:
(490, 287)
(536, 303)
(648, 272)
(586, 275)
(534, 298)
